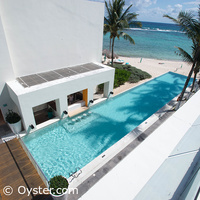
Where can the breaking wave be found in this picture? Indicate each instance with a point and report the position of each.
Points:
(156, 29)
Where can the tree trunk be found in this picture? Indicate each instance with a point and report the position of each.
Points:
(195, 76)
(110, 45)
(185, 86)
(113, 50)
(196, 60)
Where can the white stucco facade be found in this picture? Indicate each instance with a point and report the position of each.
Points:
(58, 90)
(50, 34)
(40, 36)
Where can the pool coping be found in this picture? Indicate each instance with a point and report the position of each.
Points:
(100, 166)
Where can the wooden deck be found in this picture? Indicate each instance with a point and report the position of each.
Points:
(17, 170)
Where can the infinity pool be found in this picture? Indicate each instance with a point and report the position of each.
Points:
(72, 143)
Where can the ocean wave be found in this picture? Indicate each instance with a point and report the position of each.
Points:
(156, 29)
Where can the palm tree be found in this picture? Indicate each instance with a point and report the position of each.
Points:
(191, 26)
(117, 20)
(190, 59)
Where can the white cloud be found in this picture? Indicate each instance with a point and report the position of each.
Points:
(171, 10)
(143, 3)
(174, 10)
(195, 9)
(192, 3)
(156, 14)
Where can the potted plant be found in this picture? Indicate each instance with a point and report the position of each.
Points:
(14, 121)
(50, 112)
(58, 186)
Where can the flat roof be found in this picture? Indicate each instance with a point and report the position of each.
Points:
(36, 79)
(31, 83)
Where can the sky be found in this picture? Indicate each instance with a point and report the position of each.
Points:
(153, 10)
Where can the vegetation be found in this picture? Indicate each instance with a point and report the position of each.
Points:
(101, 87)
(126, 73)
(191, 26)
(117, 19)
(121, 76)
(136, 74)
(12, 117)
(58, 184)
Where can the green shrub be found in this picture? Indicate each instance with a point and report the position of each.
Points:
(58, 183)
(101, 87)
(121, 76)
(136, 74)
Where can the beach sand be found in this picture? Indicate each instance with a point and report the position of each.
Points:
(155, 68)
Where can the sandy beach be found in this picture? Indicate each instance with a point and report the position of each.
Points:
(154, 67)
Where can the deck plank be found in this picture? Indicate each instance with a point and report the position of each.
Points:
(17, 170)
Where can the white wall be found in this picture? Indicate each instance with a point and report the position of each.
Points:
(6, 72)
(48, 34)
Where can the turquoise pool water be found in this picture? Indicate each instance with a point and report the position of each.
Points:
(63, 147)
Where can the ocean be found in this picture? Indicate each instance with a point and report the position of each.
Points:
(153, 40)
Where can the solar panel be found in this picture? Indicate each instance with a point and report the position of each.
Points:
(50, 76)
(79, 69)
(22, 82)
(35, 79)
(65, 72)
(91, 66)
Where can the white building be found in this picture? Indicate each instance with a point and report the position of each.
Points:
(50, 49)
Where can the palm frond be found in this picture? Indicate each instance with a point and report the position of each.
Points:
(131, 16)
(106, 29)
(135, 24)
(199, 13)
(109, 13)
(107, 20)
(173, 19)
(184, 21)
(186, 56)
(126, 12)
(188, 24)
(127, 37)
